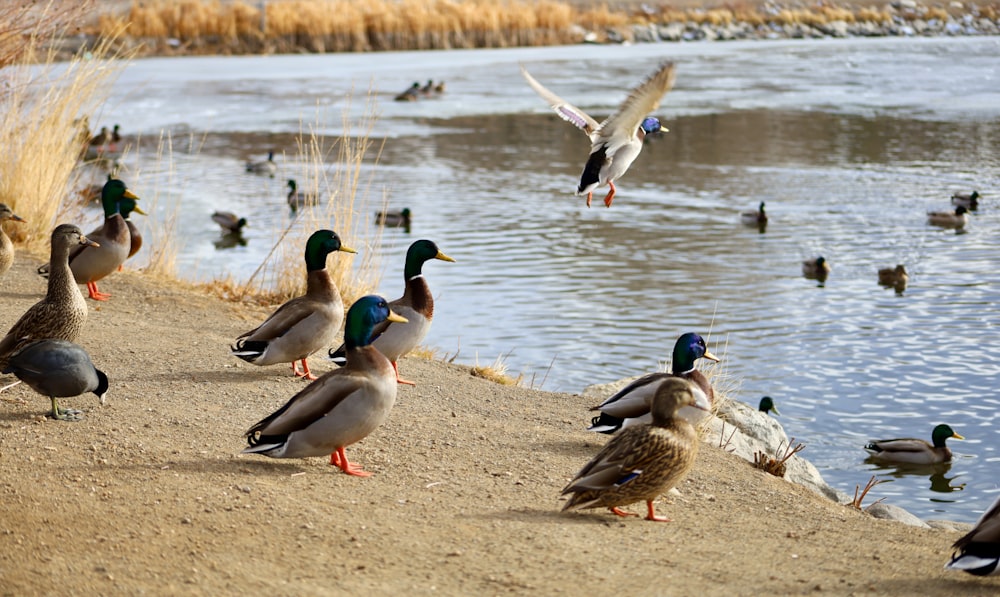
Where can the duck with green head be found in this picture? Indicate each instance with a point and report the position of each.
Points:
(616, 142)
(304, 324)
(114, 241)
(298, 199)
(630, 406)
(757, 219)
(767, 405)
(816, 269)
(969, 201)
(229, 222)
(912, 450)
(394, 219)
(643, 461)
(7, 245)
(416, 305)
(340, 408)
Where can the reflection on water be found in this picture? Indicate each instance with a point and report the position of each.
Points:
(579, 296)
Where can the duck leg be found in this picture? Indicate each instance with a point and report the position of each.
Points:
(305, 371)
(339, 459)
(610, 196)
(652, 514)
(620, 512)
(590, 197)
(96, 294)
(399, 379)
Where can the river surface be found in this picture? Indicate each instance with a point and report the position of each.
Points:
(849, 142)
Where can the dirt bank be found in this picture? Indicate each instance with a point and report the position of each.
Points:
(150, 495)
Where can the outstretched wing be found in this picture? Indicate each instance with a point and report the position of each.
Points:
(641, 101)
(564, 109)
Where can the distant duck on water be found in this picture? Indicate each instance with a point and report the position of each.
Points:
(394, 219)
(969, 201)
(298, 199)
(817, 268)
(266, 167)
(949, 219)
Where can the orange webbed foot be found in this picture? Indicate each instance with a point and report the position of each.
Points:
(96, 294)
(305, 371)
(339, 459)
(622, 512)
(652, 514)
(610, 196)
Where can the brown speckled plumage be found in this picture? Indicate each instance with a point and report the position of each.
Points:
(641, 462)
(63, 312)
(6, 245)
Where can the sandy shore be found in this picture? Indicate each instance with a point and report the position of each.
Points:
(149, 494)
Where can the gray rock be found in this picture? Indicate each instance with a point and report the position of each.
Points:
(642, 33)
(950, 525)
(890, 512)
(671, 32)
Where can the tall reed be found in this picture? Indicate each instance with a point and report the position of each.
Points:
(42, 108)
(334, 171)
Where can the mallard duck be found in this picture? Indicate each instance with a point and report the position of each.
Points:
(617, 141)
(116, 135)
(416, 305)
(754, 218)
(630, 405)
(229, 222)
(298, 199)
(978, 551)
(6, 245)
(428, 88)
(949, 219)
(304, 324)
(394, 219)
(113, 241)
(895, 277)
(767, 405)
(100, 139)
(641, 462)
(439, 87)
(913, 451)
(267, 167)
(410, 95)
(58, 369)
(62, 313)
(969, 201)
(816, 269)
(340, 408)
(125, 207)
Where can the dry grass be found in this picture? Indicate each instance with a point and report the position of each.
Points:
(343, 25)
(239, 27)
(344, 190)
(41, 108)
(497, 372)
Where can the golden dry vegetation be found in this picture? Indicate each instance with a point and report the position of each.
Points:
(213, 26)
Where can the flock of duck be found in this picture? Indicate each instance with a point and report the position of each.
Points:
(652, 420)
(416, 91)
(897, 278)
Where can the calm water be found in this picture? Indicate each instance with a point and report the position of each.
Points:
(848, 142)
